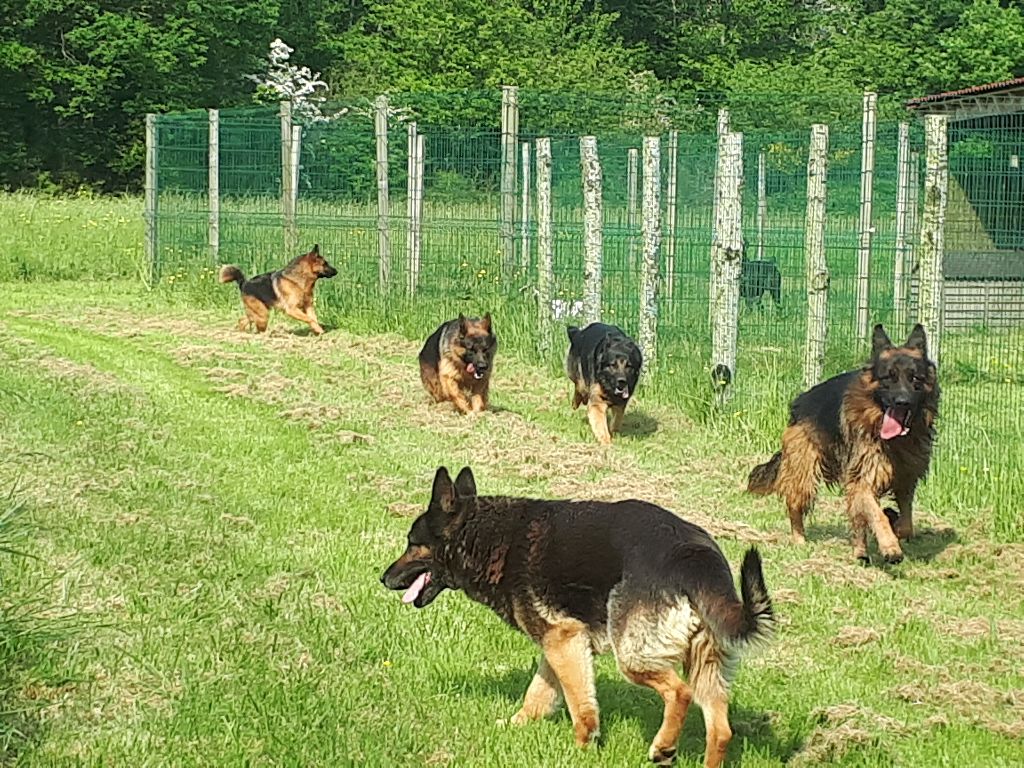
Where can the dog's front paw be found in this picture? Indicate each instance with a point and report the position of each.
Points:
(518, 719)
(893, 558)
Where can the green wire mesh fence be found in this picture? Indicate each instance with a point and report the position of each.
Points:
(461, 234)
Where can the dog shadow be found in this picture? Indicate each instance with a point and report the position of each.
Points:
(638, 424)
(620, 701)
(828, 532)
(929, 543)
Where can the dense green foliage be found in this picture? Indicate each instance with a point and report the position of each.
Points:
(77, 78)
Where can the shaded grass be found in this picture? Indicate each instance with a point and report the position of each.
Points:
(200, 492)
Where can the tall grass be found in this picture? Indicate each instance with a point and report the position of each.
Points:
(70, 238)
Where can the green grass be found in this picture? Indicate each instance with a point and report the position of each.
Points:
(979, 464)
(214, 510)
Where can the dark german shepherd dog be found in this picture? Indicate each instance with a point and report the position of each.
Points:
(869, 431)
(585, 577)
(289, 290)
(757, 278)
(457, 360)
(604, 364)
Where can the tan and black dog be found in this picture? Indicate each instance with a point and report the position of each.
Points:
(586, 577)
(869, 431)
(604, 364)
(289, 290)
(457, 360)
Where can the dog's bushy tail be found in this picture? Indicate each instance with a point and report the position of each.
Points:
(758, 614)
(764, 476)
(231, 274)
(749, 621)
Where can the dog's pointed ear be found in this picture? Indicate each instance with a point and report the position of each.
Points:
(636, 358)
(316, 249)
(443, 493)
(465, 485)
(486, 320)
(917, 340)
(462, 322)
(879, 341)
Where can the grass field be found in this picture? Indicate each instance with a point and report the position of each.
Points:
(209, 514)
(978, 470)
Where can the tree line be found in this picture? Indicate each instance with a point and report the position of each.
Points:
(78, 76)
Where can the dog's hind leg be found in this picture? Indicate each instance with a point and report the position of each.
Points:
(542, 697)
(677, 696)
(799, 476)
(256, 314)
(567, 648)
(707, 672)
(718, 731)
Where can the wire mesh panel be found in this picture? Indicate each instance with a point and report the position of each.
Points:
(442, 245)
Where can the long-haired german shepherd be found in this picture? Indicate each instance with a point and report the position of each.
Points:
(457, 360)
(289, 290)
(869, 431)
(604, 364)
(585, 577)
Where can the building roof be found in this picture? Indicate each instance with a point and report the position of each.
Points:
(974, 90)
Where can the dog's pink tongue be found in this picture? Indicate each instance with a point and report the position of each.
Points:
(470, 368)
(891, 426)
(417, 586)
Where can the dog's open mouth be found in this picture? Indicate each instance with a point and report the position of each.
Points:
(895, 422)
(416, 588)
(477, 374)
(622, 392)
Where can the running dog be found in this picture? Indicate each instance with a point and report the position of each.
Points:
(289, 290)
(604, 364)
(869, 431)
(457, 360)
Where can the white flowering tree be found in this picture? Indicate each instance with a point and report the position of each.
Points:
(284, 81)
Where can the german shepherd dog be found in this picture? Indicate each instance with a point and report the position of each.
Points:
(585, 577)
(869, 431)
(457, 360)
(289, 290)
(604, 364)
(757, 278)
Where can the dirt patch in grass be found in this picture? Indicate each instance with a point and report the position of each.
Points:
(1001, 712)
(996, 568)
(854, 637)
(842, 728)
(833, 570)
